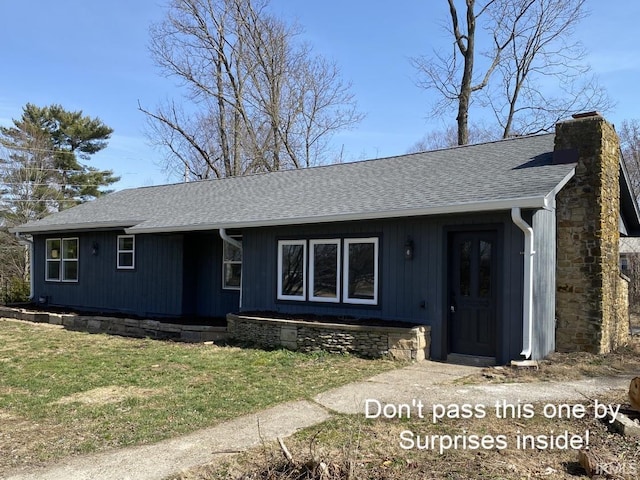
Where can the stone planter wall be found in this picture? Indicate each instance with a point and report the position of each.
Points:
(128, 327)
(367, 341)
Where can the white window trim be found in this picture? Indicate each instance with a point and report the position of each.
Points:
(61, 260)
(281, 296)
(345, 277)
(47, 260)
(132, 252)
(231, 262)
(312, 244)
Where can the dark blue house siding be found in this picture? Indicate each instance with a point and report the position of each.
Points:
(409, 290)
(203, 292)
(175, 275)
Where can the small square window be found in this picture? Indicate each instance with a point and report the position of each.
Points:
(126, 252)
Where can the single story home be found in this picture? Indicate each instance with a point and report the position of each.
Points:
(506, 250)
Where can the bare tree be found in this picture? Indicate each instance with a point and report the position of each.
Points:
(533, 73)
(256, 99)
(447, 137)
(455, 78)
(541, 51)
(630, 145)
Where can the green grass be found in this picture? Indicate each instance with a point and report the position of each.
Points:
(173, 388)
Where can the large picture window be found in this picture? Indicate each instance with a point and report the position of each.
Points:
(360, 282)
(324, 270)
(61, 260)
(292, 269)
(126, 252)
(231, 265)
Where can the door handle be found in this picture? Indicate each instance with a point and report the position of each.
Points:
(452, 309)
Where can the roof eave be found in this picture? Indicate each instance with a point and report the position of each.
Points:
(534, 202)
(72, 227)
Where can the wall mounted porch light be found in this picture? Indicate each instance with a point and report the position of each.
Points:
(408, 249)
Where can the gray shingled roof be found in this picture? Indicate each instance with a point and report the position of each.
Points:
(484, 177)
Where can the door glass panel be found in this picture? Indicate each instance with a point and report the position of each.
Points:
(465, 268)
(485, 269)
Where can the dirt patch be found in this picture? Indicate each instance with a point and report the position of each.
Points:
(105, 395)
(566, 366)
(25, 443)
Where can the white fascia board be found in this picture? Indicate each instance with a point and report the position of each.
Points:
(535, 202)
(64, 227)
(550, 199)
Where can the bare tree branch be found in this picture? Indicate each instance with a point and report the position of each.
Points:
(534, 73)
(268, 103)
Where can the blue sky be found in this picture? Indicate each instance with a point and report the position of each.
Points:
(93, 56)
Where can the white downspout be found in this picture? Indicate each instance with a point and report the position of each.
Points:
(237, 244)
(527, 308)
(25, 241)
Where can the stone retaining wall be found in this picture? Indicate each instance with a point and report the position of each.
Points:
(128, 327)
(368, 341)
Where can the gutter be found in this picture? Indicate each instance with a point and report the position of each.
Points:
(226, 238)
(533, 202)
(65, 227)
(527, 304)
(29, 243)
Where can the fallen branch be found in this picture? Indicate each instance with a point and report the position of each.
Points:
(285, 450)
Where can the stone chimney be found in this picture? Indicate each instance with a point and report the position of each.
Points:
(591, 297)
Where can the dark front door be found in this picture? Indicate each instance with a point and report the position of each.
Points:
(472, 293)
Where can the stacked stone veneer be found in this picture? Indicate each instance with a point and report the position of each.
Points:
(128, 327)
(592, 296)
(368, 341)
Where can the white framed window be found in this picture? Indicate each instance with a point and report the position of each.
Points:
(324, 270)
(126, 252)
(61, 260)
(360, 278)
(292, 269)
(53, 256)
(231, 265)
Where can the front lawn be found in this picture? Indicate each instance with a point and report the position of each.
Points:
(64, 392)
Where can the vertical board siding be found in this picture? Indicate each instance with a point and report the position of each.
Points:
(179, 275)
(153, 288)
(204, 295)
(175, 275)
(410, 290)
